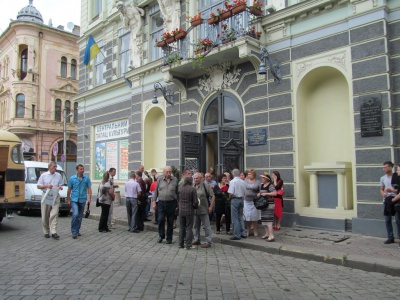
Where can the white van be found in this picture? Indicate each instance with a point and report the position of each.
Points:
(33, 196)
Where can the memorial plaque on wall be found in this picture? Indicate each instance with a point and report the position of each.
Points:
(257, 137)
(371, 116)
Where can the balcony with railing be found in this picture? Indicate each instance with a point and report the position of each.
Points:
(231, 34)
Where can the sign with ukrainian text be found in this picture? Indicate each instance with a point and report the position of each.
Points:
(112, 131)
(257, 136)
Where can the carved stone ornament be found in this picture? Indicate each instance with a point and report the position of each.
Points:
(303, 67)
(339, 59)
(219, 77)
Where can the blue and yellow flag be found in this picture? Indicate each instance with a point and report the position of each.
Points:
(92, 49)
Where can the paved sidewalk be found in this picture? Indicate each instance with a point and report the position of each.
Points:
(338, 248)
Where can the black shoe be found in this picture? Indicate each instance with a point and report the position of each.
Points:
(389, 241)
(168, 242)
(55, 236)
(159, 240)
(181, 246)
(155, 223)
(75, 236)
(147, 220)
(79, 234)
(47, 236)
(234, 238)
(244, 236)
(135, 231)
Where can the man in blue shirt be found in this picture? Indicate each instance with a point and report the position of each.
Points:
(79, 191)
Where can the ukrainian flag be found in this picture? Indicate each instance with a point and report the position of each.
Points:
(92, 49)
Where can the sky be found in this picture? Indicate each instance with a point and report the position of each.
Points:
(59, 11)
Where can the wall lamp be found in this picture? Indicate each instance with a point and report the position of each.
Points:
(275, 68)
(168, 95)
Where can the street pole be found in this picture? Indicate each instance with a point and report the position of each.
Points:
(65, 141)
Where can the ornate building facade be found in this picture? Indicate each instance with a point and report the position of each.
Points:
(38, 80)
(308, 88)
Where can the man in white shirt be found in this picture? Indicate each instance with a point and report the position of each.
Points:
(49, 180)
(236, 192)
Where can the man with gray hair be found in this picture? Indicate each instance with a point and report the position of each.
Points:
(49, 180)
(236, 192)
(167, 194)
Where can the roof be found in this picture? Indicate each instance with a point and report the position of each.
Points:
(8, 136)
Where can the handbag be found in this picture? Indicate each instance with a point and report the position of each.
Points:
(260, 202)
(97, 199)
(87, 212)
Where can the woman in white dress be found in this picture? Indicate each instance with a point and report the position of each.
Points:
(251, 214)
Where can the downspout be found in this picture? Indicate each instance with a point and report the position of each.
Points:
(39, 78)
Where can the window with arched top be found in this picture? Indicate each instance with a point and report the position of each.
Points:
(76, 112)
(57, 110)
(73, 68)
(64, 67)
(223, 110)
(20, 106)
(68, 109)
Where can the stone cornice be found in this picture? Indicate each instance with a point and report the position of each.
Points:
(292, 12)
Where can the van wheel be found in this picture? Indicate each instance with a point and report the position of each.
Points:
(1, 219)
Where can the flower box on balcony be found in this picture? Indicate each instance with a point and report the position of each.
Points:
(180, 35)
(200, 51)
(225, 15)
(197, 22)
(170, 39)
(162, 43)
(213, 20)
(238, 9)
(255, 11)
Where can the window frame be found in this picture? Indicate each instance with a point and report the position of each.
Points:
(57, 110)
(74, 68)
(63, 67)
(20, 106)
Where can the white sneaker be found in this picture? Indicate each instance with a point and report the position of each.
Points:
(10, 216)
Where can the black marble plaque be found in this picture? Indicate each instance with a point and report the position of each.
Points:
(257, 137)
(371, 116)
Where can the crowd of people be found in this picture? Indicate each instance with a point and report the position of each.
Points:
(197, 200)
(201, 198)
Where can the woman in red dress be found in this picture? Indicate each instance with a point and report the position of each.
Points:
(278, 199)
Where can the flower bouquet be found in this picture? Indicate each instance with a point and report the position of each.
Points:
(256, 9)
(196, 20)
(238, 6)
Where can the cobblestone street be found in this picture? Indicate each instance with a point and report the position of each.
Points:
(123, 265)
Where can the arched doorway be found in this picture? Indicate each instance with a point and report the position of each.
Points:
(220, 143)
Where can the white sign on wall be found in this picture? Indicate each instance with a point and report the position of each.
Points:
(112, 131)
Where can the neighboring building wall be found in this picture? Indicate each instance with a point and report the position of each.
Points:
(41, 87)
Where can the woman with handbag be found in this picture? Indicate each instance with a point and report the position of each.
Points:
(105, 199)
(251, 214)
(278, 199)
(267, 189)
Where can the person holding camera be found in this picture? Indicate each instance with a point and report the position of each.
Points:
(106, 198)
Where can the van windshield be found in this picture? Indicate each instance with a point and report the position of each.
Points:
(33, 174)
